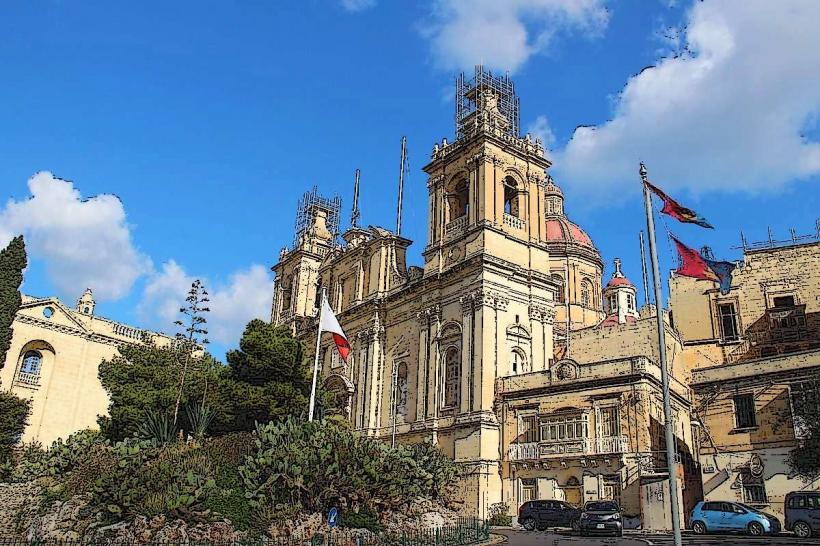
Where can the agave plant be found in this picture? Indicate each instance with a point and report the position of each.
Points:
(157, 426)
(200, 417)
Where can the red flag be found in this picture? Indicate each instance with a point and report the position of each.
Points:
(696, 266)
(676, 210)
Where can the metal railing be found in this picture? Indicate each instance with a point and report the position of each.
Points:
(28, 379)
(465, 531)
(577, 446)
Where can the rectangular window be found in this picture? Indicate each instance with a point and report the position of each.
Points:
(744, 411)
(608, 422)
(564, 427)
(527, 489)
(727, 317)
(783, 301)
(529, 429)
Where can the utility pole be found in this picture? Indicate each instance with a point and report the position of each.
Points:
(667, 404)
(401, 183)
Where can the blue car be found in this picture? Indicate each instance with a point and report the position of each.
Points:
(732, 516)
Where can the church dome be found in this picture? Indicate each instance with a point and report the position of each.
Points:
(619, 281)
(561, 230)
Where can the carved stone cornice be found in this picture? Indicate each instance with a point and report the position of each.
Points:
(542, 313)
(429, 315)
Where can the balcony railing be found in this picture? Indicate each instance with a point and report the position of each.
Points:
(513, 221)
(613, 444)
(28, 379)
(524, 452)
(568, 448)
(456, 226)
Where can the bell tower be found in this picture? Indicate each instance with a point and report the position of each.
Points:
(297, 273)
(488, 186)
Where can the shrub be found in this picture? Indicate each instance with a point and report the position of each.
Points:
(365, 518)
(307, 465)
(499, 514)
(61, 458)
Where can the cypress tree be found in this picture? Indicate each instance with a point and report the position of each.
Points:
(12, 264)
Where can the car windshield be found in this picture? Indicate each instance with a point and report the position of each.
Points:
(749, 508)
(603, 506)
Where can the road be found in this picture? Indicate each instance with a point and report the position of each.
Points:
(562, 538)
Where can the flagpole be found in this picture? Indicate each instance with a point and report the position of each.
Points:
(316, 356)
(667, 405)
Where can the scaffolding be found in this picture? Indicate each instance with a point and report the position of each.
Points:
(467, 92)
(310, 201)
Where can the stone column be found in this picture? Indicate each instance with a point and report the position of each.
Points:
(422, 364)
(467, 379)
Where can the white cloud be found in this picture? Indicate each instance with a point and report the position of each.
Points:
(540, 128)
(503, 35)
(84, 242)
(729, 113)
(357, 5)
(247, 295)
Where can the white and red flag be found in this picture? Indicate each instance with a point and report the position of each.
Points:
(328, 323)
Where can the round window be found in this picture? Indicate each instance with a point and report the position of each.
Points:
(48, 312)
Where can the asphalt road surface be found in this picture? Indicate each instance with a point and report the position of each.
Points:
(561, 538)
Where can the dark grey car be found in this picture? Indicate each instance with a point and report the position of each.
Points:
(803, 513)
(542, 514)
(601, 517)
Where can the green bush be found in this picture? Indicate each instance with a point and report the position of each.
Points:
(61, 458)
(365, 518)
(500, 514)
(308, 465)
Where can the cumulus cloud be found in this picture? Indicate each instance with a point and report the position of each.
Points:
(734, 110)
(540, 128)
(357, 5)
(247, 295)
(503, 35)
(83, 242)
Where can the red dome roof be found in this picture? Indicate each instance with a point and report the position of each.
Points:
(619, 281)
(561, 230)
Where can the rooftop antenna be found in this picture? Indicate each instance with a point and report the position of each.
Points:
(401, 183)
(743, 240)
(645, 276)
(355, 214)
(771, 240)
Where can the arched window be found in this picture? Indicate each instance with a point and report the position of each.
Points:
(458, 198)
(32, 362)
(518, 362)
(287, 292)
(452, 378)
(559, 281)
(586, 293)
(511, 205)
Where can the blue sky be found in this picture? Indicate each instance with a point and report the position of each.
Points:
(207, 120)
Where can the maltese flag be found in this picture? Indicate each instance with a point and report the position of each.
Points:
(328, 323)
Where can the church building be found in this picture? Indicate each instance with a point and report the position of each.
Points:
(440, 351)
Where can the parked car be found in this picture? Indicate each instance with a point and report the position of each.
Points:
(732, 516)
(803, 513)
(602, 516)
(541, 514)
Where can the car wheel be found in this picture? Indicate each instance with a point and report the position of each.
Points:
(529, 524)
(755, 529)
(699, 528)
(802, 529)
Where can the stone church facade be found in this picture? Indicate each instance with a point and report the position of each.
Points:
(506, 274)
